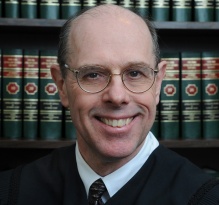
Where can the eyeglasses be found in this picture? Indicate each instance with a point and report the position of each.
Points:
(94, 79)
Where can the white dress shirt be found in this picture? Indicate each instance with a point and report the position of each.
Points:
(117, 179)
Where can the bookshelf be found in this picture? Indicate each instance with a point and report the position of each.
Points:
(43, 34)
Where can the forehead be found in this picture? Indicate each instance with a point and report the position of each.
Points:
(117, 37)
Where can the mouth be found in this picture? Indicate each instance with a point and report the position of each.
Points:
(116, 122)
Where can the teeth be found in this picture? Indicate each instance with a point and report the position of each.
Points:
(116, 123)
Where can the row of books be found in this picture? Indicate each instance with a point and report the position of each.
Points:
(30, 105)
(189, 101)
(157, 10)
(188, 108)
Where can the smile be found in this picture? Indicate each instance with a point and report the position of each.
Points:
(116, 123)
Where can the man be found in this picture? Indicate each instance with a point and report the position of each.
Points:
(109, 76)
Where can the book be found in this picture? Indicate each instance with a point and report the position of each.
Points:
(49, 9)
(210, 94)
(142, 8)
(217, 10)
(160, 10)
(0, 8)
(115, 2)
(12, 93)
(88, 4)
(155, 129)
(11, 9)
(181, 10)
(128, 4)
(170, 98)
(70, 8)
(50, 114)
(30, 93)
(29, 9)
(70, 131)
(191, 95)
(0, 93)
(204, 10)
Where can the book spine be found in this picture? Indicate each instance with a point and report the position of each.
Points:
(70, 131)
(156, 126)
(0, 93)
(115, 2)
(170, 98)
(30, 94)
(12, 8)
(160, 10)
(50, 107)
(0, 8)
(70, 8)
(204, 10)
(12, 93)
(88, 4)
(210, 95)
(191, 95)
(49, 9)
(181, 10)
(217, 10)
(29, 9)
(142, 8)
(129, 4)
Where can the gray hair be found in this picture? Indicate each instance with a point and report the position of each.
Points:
(63, 47)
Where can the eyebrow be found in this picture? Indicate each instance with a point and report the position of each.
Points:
(122, 66)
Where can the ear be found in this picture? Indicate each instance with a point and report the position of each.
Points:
(60, 83)
(159, 78)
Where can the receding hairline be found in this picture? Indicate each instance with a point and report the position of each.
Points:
(106, 11)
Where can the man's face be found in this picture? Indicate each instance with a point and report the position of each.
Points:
(114, 44)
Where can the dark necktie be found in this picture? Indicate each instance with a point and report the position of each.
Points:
(95, 192)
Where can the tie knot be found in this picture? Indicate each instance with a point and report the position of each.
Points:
(96, 191)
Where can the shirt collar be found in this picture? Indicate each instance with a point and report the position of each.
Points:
(123, 174)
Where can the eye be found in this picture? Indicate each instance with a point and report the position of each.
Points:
(134, 74)
(92, 73)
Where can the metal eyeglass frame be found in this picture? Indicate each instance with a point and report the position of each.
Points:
(109, 79)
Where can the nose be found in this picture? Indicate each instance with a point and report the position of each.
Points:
(116, 93)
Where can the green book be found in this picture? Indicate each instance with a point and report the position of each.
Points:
(70, 8)
(115, 2)
(160, 10)
(170, 98)
(30, 94)
(217, 10)
(50, 115)
(12, 93)
(0, 93)
(88, 4)
(210, 94)
(0, 8)
(29, 9)
(191, 95)
(204, 10)
(70, 131)
(156, 126)
(142, 8)
(128, 4)
(12, 8)
(181, 10)
(49, 9)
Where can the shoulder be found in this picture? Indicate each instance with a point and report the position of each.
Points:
(207, 194)
(179, 171)
(5, 178)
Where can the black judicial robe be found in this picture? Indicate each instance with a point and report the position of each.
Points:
(165, 179)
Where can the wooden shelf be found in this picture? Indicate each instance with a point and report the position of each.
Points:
(52, 144)
(57, 23)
